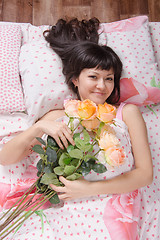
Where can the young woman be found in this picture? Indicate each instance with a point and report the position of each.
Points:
(101, 206)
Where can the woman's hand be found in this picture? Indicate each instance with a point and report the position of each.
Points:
(73, 189)
(58, 130)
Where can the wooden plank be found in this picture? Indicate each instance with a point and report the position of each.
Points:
(81, 12)
(46, 12)
(154, 10)
(133, 8)
(17, 11)
(1, 7)
(9, 10)
(24, 11)
(76, 2)
(106, 10)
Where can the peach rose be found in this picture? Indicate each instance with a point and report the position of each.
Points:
(71, 108)
(106, 112)
(87, 109)
(91, 124)
(115, 156)
(108, 140)
(107, 128)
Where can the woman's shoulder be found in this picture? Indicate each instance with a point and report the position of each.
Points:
(130, 113)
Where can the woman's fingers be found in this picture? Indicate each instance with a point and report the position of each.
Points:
(63, 136)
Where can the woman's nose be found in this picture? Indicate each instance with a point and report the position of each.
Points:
(101, 84)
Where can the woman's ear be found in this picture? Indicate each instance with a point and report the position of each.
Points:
(75, 81)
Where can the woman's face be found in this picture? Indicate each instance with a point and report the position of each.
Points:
(95, 84)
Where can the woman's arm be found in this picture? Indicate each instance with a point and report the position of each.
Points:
(141, 176)
(20, 146)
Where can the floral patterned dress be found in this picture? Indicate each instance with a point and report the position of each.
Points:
(111, 217)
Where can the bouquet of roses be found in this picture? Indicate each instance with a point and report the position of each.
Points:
(90, 125)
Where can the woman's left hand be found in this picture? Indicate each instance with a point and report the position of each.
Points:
(73, 189)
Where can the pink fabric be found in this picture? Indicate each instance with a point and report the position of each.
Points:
(119, 111)
(121, 216)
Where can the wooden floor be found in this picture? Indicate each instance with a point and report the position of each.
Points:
(39, 12)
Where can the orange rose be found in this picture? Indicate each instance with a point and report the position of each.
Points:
(106, 112)
(115, 156)
(108, 140)
(87, 109)
(71, 108)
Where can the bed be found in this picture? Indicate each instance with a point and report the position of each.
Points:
(28, 68)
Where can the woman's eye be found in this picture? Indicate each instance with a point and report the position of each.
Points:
(109, 79)
(92, 76)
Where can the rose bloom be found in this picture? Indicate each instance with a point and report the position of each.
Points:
(115, 156)
(91, 124)
(87, 109)
(106, 112)
(107, 128)
(71, 108)
(108, 140)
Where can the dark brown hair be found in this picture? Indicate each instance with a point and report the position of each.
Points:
(65, 33)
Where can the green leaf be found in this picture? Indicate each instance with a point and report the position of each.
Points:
(40, 214)
(48, 169)
(51, 155)
(71, 123)
(51, 142)
(68, 170)
(69, 148)
(158, 85)
(73, 176)
(75, 162)
(100, 128)
(85, 168)
(76, 153)
(151, 110)
(89, 164)
(153, 82)
(48, 178)
(86, 136)
(59, 170)
(79, 143)
(54, 199)
(41, 141)
(88, 157)
(88, 147)
(86, 171)
(40, 165)
(38, 149)
(99, 168)
(64, 159)
(76, 135)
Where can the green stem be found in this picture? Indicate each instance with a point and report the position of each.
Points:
(14, 215)
(26, 205)
(23, 196)
(77, 125)
(26, 215)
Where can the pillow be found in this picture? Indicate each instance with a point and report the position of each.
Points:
(131, 40)
(11, 95)
(42, 79)
(155, 36)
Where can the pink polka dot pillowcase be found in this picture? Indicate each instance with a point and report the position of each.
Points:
(42, 79)
(131, 40)
(11, 95)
